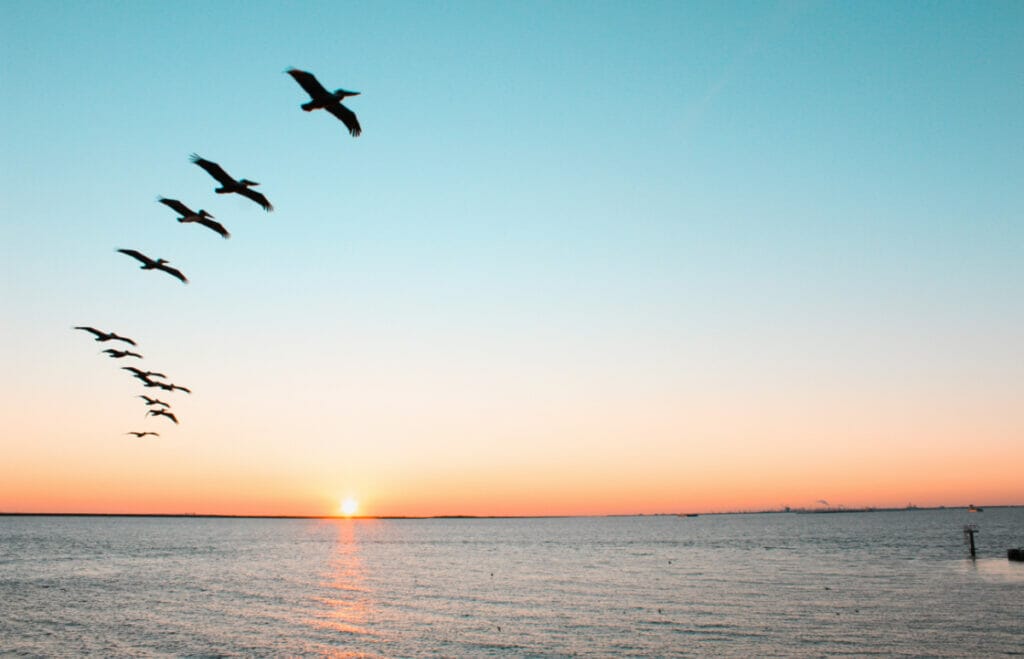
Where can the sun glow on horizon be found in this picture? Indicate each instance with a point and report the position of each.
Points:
(349, 507)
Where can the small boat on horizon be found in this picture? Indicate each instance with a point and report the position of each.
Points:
(974, 509)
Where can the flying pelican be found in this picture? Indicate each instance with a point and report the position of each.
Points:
(142, 434)
(188, 215)
(160, 411)
(106, 336)
(229, 184)
(143, 374)
(150, 264)
(325, 100)
(168, 386)
(118, 354)
(144, 377)
(153, 401)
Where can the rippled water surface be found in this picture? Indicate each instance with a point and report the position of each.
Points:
(740, 585)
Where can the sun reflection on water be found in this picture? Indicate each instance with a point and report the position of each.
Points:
(345, 604)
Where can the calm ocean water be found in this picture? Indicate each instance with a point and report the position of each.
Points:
(891, 583)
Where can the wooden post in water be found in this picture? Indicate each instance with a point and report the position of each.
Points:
(969, 531)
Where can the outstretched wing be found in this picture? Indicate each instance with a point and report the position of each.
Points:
(174, 272)
(177, 206)
(214, 170)
(257, 197)
(137, 255)
(92, 330)
(214, 226)
(163, 412)
(348, 117)
(116, 337)
(308, 82)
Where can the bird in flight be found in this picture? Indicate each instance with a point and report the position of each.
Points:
(162, 411)
(106, 336)
(158, 264)
(325, 100)
(118, 354)
(145, 375)
(169, 386)
(142, 434)
(229, 184)
(153, 401)
(189, 216)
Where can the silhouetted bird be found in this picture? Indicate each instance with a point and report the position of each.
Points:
(153, 401)
(325, 100)
(229, 184)
(143, 374)
(190, 216)
(160, 411)
(168, 386)
(106, 336)
(150, 264)
(142, 434)
(118, 354)
(145, 379)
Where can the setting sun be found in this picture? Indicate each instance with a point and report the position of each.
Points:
(349, 507)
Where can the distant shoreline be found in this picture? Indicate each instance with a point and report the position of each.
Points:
(816, 511)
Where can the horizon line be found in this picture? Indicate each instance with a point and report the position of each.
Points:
(865, 509)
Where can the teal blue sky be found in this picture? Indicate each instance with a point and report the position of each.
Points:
(583, 203)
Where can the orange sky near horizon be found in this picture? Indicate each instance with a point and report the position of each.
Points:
(585, 449)
(600, 469)
(570, 445)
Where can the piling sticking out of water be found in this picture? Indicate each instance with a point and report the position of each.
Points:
(969, 531)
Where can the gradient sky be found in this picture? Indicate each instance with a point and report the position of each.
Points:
(586, 257)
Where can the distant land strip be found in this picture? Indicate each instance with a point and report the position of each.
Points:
(822, 511)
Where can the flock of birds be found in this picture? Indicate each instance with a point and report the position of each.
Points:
(320, 99)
